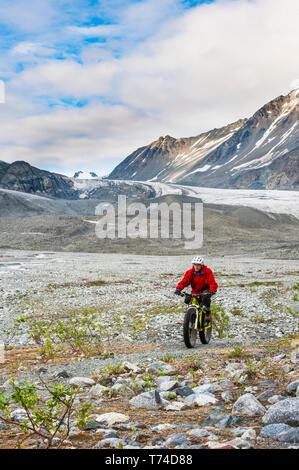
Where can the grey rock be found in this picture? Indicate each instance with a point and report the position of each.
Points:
(19, 415)
(158, 367)
(82, 382)
(292, 387)
(197, 432)
(227, 396)
(267, 383)
(266, 395)
(275, 398)
(211, 388)
(225, 383)
(98, 390)
(291, 436)
(112, 443)
(249, 434)
(274, 430)
(200, 399)
(247, 404)
(168, 385)
(111, 435)
(111, 418)
(184, 391)
(150, 400)
(177, 440)
(64, 374)
(285, 411)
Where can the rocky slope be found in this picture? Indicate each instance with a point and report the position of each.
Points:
(259, 152)
(21, 176)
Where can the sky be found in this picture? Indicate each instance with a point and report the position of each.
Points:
(84, 83)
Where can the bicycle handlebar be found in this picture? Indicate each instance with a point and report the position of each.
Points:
(183, 294)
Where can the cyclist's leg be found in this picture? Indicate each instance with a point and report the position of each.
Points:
(206, 302)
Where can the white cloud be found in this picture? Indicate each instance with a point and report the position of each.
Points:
(213, 65)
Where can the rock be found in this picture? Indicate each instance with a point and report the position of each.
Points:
(291, 436)
(292, 387)
(92, 424)
(63, 375)
(158, 367)
(131, 367)
(239, 443)
(162, 427)
(275, 398)
(200, 399)
(113, 443)
(176, 406)
(225, 383)
(274, 430)
(177, 440)
(82, 382)
(111, 435)
(214, 418)
(111, 418)
(249, 434)
(137, 385)
(168, 385)
(184, 391)
(122, 389)
(3, 425)
(197, 432)
(267, 383)
(211, 388)
(266, 395)
(227, 396)
(150, 400)
(19, 415)
(98, 390)
(285, 411)
(247, 404)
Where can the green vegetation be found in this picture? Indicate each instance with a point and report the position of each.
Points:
(239, 352)
(79, 334)
(46, 418)
(167, 358)
(221, 322)
(237, 312)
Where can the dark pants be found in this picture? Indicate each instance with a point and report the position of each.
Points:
(206, 301)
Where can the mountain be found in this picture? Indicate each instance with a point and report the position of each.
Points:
(21, 176)
(261, 152)
(85, 174)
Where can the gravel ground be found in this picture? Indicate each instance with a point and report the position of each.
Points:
(136, 303)
(132, 297)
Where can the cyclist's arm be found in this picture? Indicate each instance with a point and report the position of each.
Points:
(213, 286)
(185, 281)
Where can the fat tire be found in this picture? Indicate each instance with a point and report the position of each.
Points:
(190, 333)
(206, 333)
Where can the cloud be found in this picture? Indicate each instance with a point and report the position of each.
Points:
(178, 73)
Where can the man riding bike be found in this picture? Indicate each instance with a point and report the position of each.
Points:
(202, 281)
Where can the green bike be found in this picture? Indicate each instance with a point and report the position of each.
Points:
(195, 321)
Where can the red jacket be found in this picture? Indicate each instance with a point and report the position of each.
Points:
(199, 282)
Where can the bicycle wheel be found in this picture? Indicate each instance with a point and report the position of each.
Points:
(205, 332)
(189, 329)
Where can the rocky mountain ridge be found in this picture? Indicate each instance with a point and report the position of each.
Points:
(23, 177)
(261, 152)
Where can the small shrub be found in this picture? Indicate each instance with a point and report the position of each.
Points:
(237, 312)
(221, 322)
(238, 351)
(47, 418)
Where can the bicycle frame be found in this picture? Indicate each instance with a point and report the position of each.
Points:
(198, 324)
